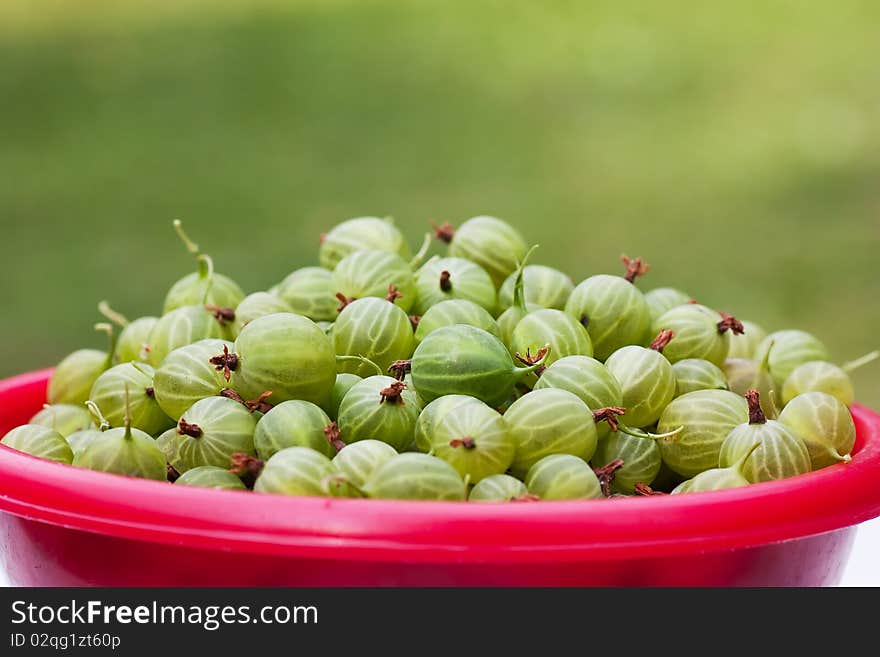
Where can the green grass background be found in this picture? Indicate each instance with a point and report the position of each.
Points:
(735, 146)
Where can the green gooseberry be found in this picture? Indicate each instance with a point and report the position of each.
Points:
(204, 286)
(309, 292)
(64, 418)
(284, 353)
(293, 423)
(745, 344)
(564, 335)
(661, 299)
(744, 374)
(415, 476)
(134, 337)
(781, 452)
(442, 279)
(707, 417)
(698, 374)
(187, 375)
(612, 309)
(700, 332)
(183, 326)
(821, 376)
(74, 376)
(498, 488)
(549, 421)
(211, 431)
(640, 456)
(563, 477)
(361, 233)
(169, 443)
(733, 476)
(382, 408)
(473, 439)
(786, 350)
(588, 379)
(432, 413)
(374, 273)
(490, 242)
(79, 439)
(295, 471)
(128, 388)
(544, 286)
(519, 308)
(375, 329)
(210, 476)
(455, 311)
(40, 441)
(825, 425)
(357, 462)
(466, 360)
(344, 383)
(256, 305)
(646, 380)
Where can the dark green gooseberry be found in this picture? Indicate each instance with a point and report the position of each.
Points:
(187, 375)
(74, 376)
(414, 476)
(498, 488)
(64, 418)
(374, 273)
(211, 431)
(661, 299)
(472, 437)
(361, 233)
(442, 279)
(184, 326)
(646, 380)
(381, 408)
(210, 476)
(563, 477)
(821, 376)
(295, 471)
(455, 311)
(612, 309)
(134, 336)
(549, 421)
(38, 440)
(293, 423)
(588, 379)
(204, 286)
(707, 417)
(129, 387)
(825, 425)
(732, 476)
(465, 360)
(344, 383)
(700, 332)
(256, 305)
(284, 353)
(788, 349)
(745, 344)
(309, 292)
(544, 287)
(697, 374)
(376, 329)
(357, 462)
(564, 335)
(490, 242)
(781, 453)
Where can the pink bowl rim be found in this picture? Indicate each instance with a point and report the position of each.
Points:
(833, 498)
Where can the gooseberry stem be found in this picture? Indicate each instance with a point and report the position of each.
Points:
(634, 268)
(445, 281)
(519, 293)
(117, 318)
(331, 431)
(646, 491)
(127, 419)
(605, 474)
(756, 414)
(416, 262)
(191, 246)
(246, 466)
(104, 327)
(859, 362)
(663, 338)
(741, 462)
(641, 433)
(730, 323)
(445, 232)
(609, 414)
(97, 416)
(393, 294)
(361, 359)
(400, 368)
(392, 393)
(535, 363)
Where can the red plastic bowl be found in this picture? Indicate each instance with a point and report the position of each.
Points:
(64, 526)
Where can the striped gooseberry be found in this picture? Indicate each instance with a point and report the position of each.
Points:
(361, 233)
(211, 431)
(744, 374)
(372, 273)
(543, 286)
(134, 336)
(204, 286)
(646, 379)
(74, 376)
(442, 279)
(821, 376)
(466, 360)
(612, 309)
(129, 388)
(455, 311)
(293, 423)
(498, 488)
(661, 299)
(787, 349)
(381, 408)
(825, 425)
(732, 476)
(781, 453)
(490, 242)
(256, 305)
(64, 418)
(472, 437)
(309, 291)
(295, 471)
(210, 476)
(700, 332)
(38, 440)
(415, 476)
(563, 477)
(344, 382)
(187, 375)
(550, 327)
(707, 417)
(373, 328)
(640, 457)
(357, 462)
(745, 344)
(697, 374)
(185, 325)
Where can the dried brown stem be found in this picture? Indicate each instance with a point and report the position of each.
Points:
(445, 282)
(400, 368)
(646, 491)
(343, 301)
(606, 473)
(756, 414)
(246, 466)
(663, 338)
(634, 268)
(392, 393)
(150, 392)
(393, 293)
(414, 321)
(528, 497)
(445, 232)
(331, 431)
(170, 473)
(466, 441)
(223, 315)
(184, 428)
(609, 414)
(225, 362)
(730, 323)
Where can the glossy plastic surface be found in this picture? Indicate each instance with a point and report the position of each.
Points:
(61, 525)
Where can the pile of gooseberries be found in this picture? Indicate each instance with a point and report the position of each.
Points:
(468, 375)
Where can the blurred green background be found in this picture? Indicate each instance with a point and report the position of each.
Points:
(734, 146)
